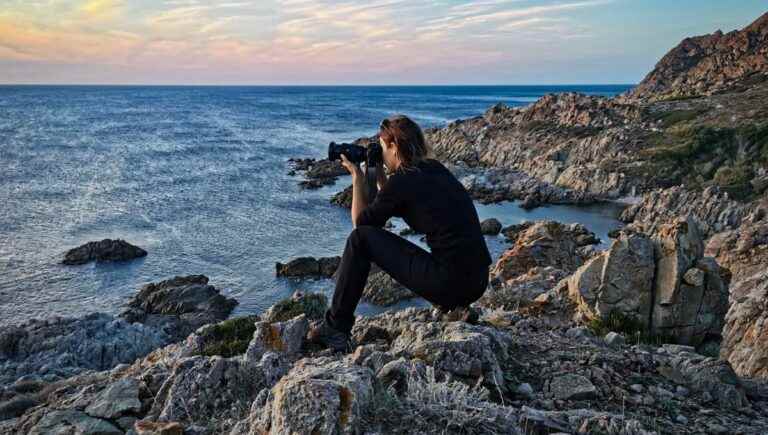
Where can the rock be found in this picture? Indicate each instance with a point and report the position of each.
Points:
(545, 243)
(745, 335)
(704, 65)
(621, 279)
(694, 277)
(105, 250)
(66, 421)
(308, 266)
(285, 338)
(705, 375)
(319, 396)
(614, 340)
(525, 389)
(343, 198)
(522, 290)
(490, 227)
(312, 305)
(200, 388)
(711, 209)
(179, 305)
(67, 346)
(120, 398)
(383, 290)
(16, 406)
(158, 428)
(644, 280)
(572, 387)
(688, 312)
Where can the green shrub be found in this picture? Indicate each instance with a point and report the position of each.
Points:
(230, 337)
(628, 326)
(668, 119)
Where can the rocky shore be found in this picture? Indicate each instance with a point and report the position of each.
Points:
(666, 331)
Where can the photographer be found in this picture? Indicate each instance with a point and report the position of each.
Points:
(431, 201)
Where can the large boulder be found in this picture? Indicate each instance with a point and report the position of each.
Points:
(663, 284)
(318, 395)
(690, 290)
(104, 250)
(179, 305)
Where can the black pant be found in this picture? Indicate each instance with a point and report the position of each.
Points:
(437, 282)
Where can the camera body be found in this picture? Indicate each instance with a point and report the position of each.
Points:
(372, 155)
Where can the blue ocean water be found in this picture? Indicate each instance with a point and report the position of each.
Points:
(197, 176)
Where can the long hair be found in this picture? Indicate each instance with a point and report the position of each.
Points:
(408, 139)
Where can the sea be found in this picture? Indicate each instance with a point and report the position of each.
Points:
(198, 177)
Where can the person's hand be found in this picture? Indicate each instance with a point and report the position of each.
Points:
(353, 168)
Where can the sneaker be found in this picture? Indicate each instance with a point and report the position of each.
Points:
(461, 314)
(326, 335)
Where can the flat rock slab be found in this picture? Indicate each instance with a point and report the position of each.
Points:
(118, 399)
(572, 387)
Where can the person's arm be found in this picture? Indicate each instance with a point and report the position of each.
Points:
(359, 195)
(388, 202)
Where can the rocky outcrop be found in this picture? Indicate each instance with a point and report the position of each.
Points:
(581, 144)
(178, 306)
(711, 208)
(57, 348)
(709, 64)
(663, 283)
(318, 173)
(308, 267)
(410, 372)
(104, 250)
(542, 244)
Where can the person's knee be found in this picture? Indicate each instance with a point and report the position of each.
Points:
(360, 235)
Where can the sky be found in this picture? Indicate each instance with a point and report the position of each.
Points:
(326, 42)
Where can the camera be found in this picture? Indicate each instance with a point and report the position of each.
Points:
(357, 154)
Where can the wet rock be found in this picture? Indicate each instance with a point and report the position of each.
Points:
(104, 250)
(308, 267)
(381, 289)
(343, 198)
(16, 406)
(490, 227)
(572, 387)
(179, 306)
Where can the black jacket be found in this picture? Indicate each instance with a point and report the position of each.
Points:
(433, 202)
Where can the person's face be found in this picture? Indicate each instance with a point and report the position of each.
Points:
(391, 161)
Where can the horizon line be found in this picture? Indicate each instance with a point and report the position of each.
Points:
(310, 85)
